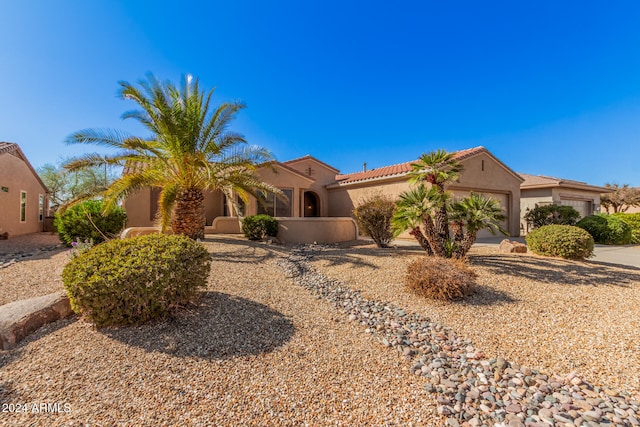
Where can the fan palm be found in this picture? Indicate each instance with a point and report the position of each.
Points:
(472, 214)
(190, 150)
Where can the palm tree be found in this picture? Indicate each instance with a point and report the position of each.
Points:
(470, 215)
(190, 150)
(438, 168)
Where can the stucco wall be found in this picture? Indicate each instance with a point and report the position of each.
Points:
(138, 209)
(16, 176)
(321, 175)
(320, 230)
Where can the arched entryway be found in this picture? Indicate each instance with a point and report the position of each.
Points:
(311, 204)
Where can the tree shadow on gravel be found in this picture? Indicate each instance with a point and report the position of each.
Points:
(216, 326)
(354, 256)
(484, 296)
(562, 272)
(244, 251)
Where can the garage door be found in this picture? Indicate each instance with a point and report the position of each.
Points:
(582, 206)
(503, 199)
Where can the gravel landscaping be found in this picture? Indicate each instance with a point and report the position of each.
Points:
(327, 335)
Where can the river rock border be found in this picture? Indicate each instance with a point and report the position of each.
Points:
(471, 389)
(7, 259)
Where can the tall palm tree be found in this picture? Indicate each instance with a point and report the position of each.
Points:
(438, 168)
(472, 214)
(190, 149)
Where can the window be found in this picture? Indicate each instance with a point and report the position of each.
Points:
(274, 206)
(40, 208)
(225, 206)
(23, 206)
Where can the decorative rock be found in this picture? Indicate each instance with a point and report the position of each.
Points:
(508, 247)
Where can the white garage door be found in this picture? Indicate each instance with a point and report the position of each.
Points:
(503, 199)
(582, 206)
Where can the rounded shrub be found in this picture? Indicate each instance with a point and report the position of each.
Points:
(130, 281)
(552, 214)
(633, 221)
(86, 222)
(256, 227)
(564, 241)
(606, 229)
(373, 217)
(440, 278)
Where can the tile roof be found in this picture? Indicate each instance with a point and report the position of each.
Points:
(6, 147)
(399, 169)
(13, 148)
(538, 181)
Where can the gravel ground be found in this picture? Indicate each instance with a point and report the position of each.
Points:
(554, 315)
(255, 350)
(32, 275)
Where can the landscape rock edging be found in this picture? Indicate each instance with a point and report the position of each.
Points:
(20, 318)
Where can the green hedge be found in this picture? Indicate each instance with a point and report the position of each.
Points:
(606, 229)
(258, 227)
(552, 214)
(565, 241)
(86, 222)
(633, 221)
(130, 281)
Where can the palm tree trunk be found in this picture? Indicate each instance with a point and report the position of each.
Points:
(432, 236)
(465, 245)
(424, 243)
(188, 214)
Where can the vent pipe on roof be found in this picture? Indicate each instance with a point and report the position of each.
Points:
(364, 167)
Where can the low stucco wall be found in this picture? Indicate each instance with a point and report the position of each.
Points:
(224, 225)
(319, 230)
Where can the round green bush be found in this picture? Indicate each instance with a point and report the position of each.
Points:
(373, 217)
(607, 229)
(86, 222)
(130, 281)
(256, 227)
(633, 220)
(565, 241)
(552, 214)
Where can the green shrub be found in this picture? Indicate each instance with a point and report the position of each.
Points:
(633, 221)
(258, 227)
(606, 229)
(130, 281)
(565, 241)
(373, 217)
(85, 221)
(552, 214)
(440, 278)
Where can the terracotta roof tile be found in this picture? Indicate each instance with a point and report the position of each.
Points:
(395, 170)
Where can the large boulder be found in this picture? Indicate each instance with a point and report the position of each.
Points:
(509, 247)
(19, 319)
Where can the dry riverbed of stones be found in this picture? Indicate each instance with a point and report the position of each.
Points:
(471, 389)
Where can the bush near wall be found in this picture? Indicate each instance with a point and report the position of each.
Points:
(131, 281)
(565, 241)
(257, 227)
(552, 214)
(633, 221)
(86, 222)
(440, 278)
(373, 217)
(606, 229)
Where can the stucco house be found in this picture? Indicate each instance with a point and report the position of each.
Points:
(538, 190)
(23, 195)
(317, 190)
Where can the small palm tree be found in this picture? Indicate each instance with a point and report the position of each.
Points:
(190, 150)
(472, 214)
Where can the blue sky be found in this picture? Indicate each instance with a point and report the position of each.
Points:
(548, 87)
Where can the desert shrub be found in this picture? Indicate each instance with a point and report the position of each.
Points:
(633, 221)
(258, 227)
(606, 229)
(565, 241)
(373, 217)
(86, 221)
(552, 214)
(440, 278)
(130, 281)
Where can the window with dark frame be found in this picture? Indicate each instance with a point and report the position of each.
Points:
(23, 206)
(275, 206)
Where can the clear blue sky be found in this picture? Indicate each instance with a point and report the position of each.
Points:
(549, 87)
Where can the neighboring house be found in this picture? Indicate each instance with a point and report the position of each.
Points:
(537, 190)
(23, 195)
(316, 189)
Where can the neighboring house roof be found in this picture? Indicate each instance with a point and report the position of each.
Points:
(309, 157)
(402, 169)
(541, 181)
(13, 149)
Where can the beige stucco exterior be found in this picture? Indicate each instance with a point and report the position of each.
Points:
(317, 189)
(18, 177)
(541, 190)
